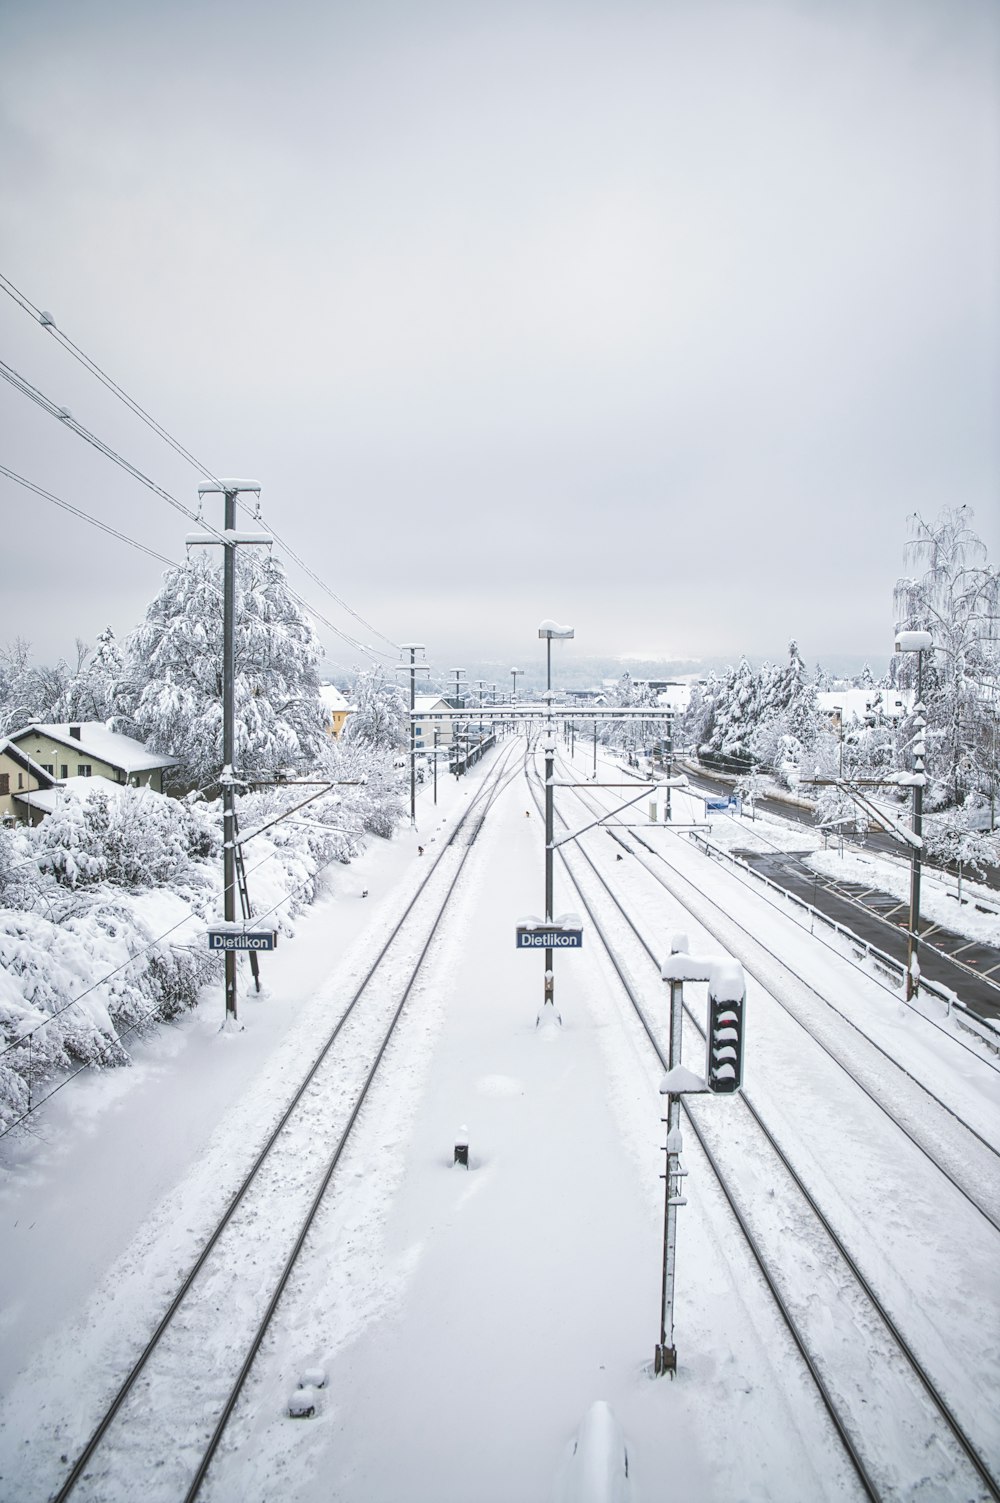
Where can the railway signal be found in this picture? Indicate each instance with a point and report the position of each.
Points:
(723, 1073)
(724, 1034)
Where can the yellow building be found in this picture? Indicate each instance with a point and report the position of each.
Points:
(19, 777)
(337, 709)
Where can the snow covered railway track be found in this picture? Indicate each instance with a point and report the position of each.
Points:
(169, 1415)
(967, 1159)
(899, 1428)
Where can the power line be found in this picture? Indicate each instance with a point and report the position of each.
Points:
(85, 516)
(63, 415)
(47, 322)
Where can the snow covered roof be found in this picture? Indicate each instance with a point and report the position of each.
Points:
(855, 704)
(424, 702)
(95, 739)
(45, 798)
(8, 749)
(333, 698)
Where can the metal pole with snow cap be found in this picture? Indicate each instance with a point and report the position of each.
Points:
(230, 539)
(723, 1073)
(546, 632)
(918, 642)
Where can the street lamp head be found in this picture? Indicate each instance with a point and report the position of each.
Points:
(914, 641)
(552, 629)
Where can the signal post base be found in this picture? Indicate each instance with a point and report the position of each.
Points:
(665, 1360)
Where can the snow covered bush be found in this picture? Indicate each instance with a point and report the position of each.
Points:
(75, 980)
(132, 837)
(107, 902)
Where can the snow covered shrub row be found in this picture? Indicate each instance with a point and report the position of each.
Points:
(106, 904)
(78, 977)
(131, 837)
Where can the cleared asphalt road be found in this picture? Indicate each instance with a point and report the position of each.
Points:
(970, 969)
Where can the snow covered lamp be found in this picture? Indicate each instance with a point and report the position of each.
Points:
(918, 642)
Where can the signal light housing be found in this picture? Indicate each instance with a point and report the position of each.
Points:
(724, 1035)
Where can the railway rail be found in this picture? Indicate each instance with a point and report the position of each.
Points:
(167, 1397)
(782, 1221)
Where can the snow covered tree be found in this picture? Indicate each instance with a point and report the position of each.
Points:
(90, 694)
(381, 718)
(736, 713)
(171, 686)
(28, 691)
(955, 597)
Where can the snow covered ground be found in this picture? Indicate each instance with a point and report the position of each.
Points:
(455, 1326)
(975, 913)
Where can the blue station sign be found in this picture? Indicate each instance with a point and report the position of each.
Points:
(548, 939)
(242, 939)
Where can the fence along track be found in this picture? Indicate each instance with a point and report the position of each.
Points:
(967, 1447)
(469, 825)
(978, 1144)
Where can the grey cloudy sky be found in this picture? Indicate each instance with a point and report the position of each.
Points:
(658, 318)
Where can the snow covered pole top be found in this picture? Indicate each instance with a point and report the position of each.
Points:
(552, 629)
(684, 967)
(223, 487)
(914, 641)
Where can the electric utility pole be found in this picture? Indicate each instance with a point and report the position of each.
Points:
(459, 673)
(413, 648)
(547, 631)
(230, 540)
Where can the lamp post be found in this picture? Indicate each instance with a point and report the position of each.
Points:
(546, 632)
(918, 642)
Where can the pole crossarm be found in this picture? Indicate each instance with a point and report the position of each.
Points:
(574, 834)
(867, 806)
(531, 711)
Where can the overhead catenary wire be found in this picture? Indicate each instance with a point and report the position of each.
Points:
(47, 322)
(85, 516)
(64, 416)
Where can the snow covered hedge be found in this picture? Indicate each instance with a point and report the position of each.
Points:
(106, 903)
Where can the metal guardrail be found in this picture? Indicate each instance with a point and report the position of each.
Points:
(988, 1032)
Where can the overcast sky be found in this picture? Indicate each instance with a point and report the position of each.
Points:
(654, 318)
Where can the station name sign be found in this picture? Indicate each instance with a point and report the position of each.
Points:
(548, 939)
(242, 939)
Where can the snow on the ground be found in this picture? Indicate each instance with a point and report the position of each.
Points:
(939, 897)
(454, 1327)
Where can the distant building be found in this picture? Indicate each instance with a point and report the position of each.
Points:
(843, 706)
(337, 709)
(432, 713)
